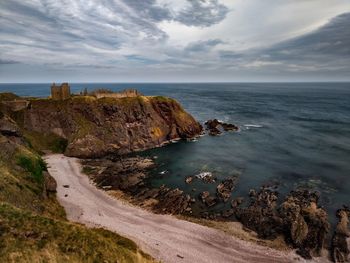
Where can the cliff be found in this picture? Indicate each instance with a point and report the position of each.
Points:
(94, 127)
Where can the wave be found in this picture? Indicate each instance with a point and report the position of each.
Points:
(253, 126)
(318, 120)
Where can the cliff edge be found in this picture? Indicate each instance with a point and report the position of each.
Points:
(94, 127)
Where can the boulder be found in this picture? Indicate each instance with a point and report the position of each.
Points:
(50, 183)
(339, 248)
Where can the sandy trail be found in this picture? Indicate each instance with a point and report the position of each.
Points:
(165, 237)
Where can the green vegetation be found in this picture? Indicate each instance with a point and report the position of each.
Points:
(27, 237)
(46, 141)
(34, 166)
(8, 96)
(88, 170)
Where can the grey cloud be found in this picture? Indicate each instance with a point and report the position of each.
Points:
(4, 62)
(202, 13)
(149, 9)
(330, 42)
(201, 46)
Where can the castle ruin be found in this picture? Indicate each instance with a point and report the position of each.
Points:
(127, 93)
(60, 92)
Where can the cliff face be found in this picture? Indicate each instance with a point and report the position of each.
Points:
(95, 127)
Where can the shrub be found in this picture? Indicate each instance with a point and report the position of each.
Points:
(35, 166)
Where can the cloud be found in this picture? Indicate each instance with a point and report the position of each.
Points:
(327, 48)
(202, 13)
(181, 38)
(201, 46)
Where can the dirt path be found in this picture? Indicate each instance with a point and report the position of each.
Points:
(164, 237)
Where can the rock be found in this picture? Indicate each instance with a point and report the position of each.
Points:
(339, 248)
(189, 180)
(206, 177)
(213, 126)
(252, 193)
(229, 127)
(214, 132)
(261, 215)
(306, 223)
(66, 186)
(225, 188)
(8, 127)
(207, 199)
(228, 213)
(237, 202)
(172, 201)
(50, 183)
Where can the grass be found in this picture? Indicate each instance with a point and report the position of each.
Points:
(41, 142)
(35, 166)
(27, 237)
(8, 96)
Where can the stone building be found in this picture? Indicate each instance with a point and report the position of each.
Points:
(60, 92)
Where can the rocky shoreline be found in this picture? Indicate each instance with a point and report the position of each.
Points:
(299, 218)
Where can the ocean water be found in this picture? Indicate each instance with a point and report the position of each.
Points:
(291, 134)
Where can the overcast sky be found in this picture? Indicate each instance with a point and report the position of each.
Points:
(174, 41)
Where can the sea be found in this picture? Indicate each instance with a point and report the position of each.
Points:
(291, 135)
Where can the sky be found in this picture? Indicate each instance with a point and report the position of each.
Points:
(174, 41)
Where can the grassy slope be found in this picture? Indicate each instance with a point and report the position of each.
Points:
(33, 228)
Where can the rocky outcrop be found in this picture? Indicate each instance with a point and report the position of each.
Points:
(299, 218)
(340, 250)
(215, 126)
(96, 127)
(305, 223)
(8, 127)
(128, 175)
(261, 215)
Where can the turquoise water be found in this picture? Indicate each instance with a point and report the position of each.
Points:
(300, 136)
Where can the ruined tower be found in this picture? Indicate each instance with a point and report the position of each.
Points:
(60, 92)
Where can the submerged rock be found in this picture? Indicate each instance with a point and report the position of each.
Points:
(189, 180)
(339, 249)
(225, 188)
(207, 199)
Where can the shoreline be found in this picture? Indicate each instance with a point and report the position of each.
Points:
(165, 237)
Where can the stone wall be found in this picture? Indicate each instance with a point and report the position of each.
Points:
(121, 94)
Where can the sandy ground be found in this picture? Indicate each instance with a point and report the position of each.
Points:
(164, 237)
